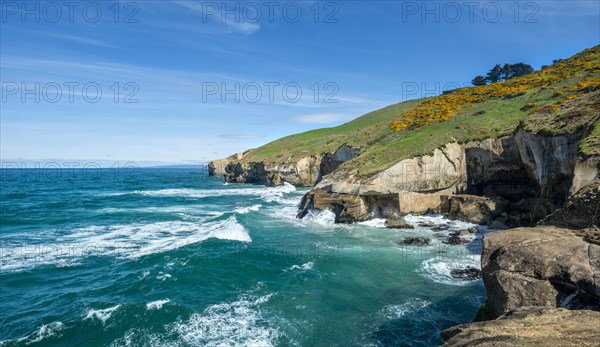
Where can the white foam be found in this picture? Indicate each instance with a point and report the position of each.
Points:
(438, 268)
(374, 223)
(121, 240)
(102, 315)
(244, 210)
(323, 218)
(162, 276)
(438, 220)
(303, 267)
(45, 331)
(156, 305)
(268, 194)
(401, 310)
(238, 323)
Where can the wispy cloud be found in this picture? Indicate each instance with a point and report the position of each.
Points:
(231, 23)
(80, 39)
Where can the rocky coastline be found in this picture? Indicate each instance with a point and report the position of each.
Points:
(539, 188)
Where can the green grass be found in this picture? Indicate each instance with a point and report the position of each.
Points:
(496, 117)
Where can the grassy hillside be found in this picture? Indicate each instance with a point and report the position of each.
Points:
(559, 99)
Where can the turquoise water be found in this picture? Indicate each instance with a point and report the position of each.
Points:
(175, 258)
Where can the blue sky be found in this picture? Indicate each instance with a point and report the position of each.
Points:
(175, 58)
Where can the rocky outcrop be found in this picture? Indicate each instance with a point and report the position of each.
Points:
(304, 172)
(471, 208)
(581, 211)
(509, 182)
(542, 266)
(532, 326)
(397, 222)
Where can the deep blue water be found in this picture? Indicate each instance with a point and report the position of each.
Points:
(171, 257)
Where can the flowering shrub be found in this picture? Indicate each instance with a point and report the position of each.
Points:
(584, 67)
(438, 109)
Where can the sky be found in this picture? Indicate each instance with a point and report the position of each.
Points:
(191, 81)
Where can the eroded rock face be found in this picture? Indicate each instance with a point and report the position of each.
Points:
(533, 326)
(542, 266)
(347, 208)
(581, 211)
(471, 208)
(303, 172)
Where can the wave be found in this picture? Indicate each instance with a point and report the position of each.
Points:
(401, 310)
(162, 276)
(268, 194)
(44, 332)
(156, 305)
(303, 267)
(102, 315)
(244, 210)
(238, 323)
(122, 240)
(375, 223)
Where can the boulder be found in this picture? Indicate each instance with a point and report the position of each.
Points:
(471, 208)
(455, 240)
(427, 224)
(467, 274)
(416, 241)
(532, 326)
(541, 266)
(397, 222)
(461, 232)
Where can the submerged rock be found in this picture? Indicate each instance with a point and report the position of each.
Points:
(397, 222)
(467, 274)
(426, 224)
(440, 228)
(455, 240)
(416, 241)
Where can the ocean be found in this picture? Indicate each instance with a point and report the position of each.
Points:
(172, 257)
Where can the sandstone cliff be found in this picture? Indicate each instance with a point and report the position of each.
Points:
(532, 326)
(302, 172)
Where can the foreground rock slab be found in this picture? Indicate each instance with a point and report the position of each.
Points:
(542, 266)
(533, 326)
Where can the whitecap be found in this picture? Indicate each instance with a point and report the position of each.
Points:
(162, 276)
(324, 218)
(102, 315)
(375, 223)
(401, 310)
(268, 194)
(45, 331)
(156, 305)
(238, 323)
(303, 267)
(244, 210)
(120, 240)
